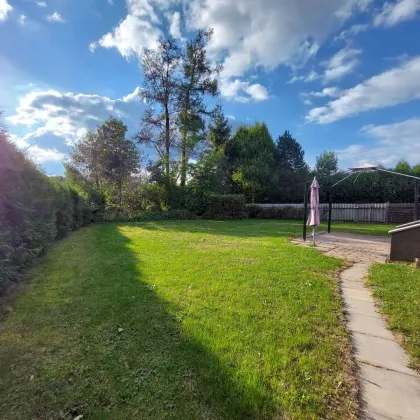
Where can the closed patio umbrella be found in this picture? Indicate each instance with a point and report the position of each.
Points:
(314, 219)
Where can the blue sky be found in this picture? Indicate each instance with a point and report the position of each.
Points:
(341, 75)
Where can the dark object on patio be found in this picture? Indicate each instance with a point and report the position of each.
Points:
(405, 242)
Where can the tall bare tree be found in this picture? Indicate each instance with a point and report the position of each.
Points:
(199, 79)
(161, 69)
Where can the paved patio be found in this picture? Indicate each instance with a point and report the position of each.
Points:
(389, 389)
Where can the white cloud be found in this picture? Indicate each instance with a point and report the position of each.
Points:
(398, 85)
(245, 36)
(41, 3)
(352, 31)
(332, 92)
(239, 91)
(55, 17)
(391, 143)
(5, 9)
(130, 37)
(175, 25)
(396, 12)
(342, 63)
(274, 33)
(41, 155)
(307, 102)
(68, 115)
(313, 75)
(22, 19)
(36, 153)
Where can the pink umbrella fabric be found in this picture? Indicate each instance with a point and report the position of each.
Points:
(314, 219)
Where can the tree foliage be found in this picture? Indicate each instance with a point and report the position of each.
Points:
(251, 157)
(198, 81)
(106, 159)
(292, 170)
(161, 81)
(219, 129)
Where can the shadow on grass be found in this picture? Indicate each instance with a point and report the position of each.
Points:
(179, 377)
(118, 351)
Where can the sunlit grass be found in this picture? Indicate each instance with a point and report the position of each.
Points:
(397, 286)
(184, 320)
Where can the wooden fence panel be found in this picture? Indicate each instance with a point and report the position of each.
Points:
(401, 213)
(346, 212)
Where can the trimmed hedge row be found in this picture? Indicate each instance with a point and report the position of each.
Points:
(116, 215)
(274, 213)
(225, 207)
(35, 210)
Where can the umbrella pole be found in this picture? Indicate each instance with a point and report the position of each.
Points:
(313, 234)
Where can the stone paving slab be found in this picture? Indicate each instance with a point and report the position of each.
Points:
(368, 325)
(361, 307)
(380, 352)
(389, 394)
(353, 284)
(357, 294)
(390, 390)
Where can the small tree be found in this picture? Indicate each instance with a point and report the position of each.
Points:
(326, 165)
(105, 158)
(86, 156)
(120, 157)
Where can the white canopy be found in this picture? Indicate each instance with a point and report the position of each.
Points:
(364, 167)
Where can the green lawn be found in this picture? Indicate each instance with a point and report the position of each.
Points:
(179, 320)
(397, 286)
(360, 228)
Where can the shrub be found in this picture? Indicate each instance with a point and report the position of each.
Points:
(225, 207)
(281, 213)
(34, 211)
(252, 210)
(116, 215)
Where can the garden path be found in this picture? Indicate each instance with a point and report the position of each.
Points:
(389, 389)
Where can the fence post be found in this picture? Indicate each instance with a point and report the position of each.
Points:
(329, 211)
(305, 209)
(416, 200)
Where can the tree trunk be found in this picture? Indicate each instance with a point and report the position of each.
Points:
(167, 140)
(120, 194)
(184, 158)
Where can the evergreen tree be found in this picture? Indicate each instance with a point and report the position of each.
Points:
(292, 170)
(198, 80)
(160, 68)
(251, 156)
(219, 128)
(290, 154)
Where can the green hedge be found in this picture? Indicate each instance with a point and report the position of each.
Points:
(225, 207)
(35, 210)
(274, 213)
(116, 215)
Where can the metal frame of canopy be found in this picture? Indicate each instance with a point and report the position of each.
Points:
(366, 167)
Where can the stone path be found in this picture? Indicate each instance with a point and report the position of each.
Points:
(389, 389)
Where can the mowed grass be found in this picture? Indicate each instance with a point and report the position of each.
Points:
(178, 320)
(397, 286)
(380, 229)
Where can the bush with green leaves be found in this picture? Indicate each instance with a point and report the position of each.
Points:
(277, 213)
(225, 207)
(117, 215)
(35, 210)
